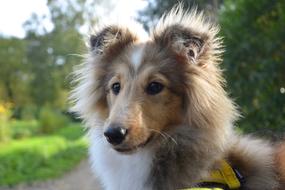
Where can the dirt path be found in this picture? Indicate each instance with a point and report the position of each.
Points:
(80, 178)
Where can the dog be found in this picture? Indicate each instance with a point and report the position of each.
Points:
(158, 116)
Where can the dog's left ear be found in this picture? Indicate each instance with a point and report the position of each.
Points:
(187, 44)
(110, 40)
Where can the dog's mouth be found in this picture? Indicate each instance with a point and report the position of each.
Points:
(134, 148)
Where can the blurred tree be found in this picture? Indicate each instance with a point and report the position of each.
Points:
(13, 73)
(34, 70)
(255, 61)
(50, 54)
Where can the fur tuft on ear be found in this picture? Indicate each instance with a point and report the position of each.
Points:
(190, 36)
(97, 41)
(111, 39)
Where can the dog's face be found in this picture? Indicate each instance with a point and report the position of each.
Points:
(145, 89)
(144, 96)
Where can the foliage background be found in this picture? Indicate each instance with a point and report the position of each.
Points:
(38, 136)
(255, 61)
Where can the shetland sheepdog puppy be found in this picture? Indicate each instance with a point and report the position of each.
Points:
(157, 114)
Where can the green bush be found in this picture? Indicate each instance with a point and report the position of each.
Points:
(5, 133)
(29, 112)
(24, 128)
(72, 132)
(50, 120)
(40, 158)
(5, 114)
(254, 61)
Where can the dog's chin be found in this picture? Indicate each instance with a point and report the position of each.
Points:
(134, 148)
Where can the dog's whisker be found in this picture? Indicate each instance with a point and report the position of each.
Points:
(165, 135)
(171, 138)
(158, 132)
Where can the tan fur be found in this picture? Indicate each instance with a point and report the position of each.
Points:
(253, 158)
(280, 163)
(190, 123)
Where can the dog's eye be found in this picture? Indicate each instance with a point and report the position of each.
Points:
(154, 88)
(116, 87)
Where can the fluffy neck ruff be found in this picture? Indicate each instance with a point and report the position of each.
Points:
(172, 162)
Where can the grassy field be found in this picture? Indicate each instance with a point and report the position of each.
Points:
(41, 157)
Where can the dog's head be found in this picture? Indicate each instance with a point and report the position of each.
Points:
(141, 89)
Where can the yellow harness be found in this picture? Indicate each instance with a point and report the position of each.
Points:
(225, 175)
(204, 188)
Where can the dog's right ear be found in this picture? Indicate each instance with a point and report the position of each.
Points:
(190, 36)
(110, 39)
(184, 42)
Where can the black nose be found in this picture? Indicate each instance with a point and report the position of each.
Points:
(115, 134)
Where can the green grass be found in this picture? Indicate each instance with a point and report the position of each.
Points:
(40, 158)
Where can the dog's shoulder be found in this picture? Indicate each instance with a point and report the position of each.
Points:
(254, 159)
(280, 163)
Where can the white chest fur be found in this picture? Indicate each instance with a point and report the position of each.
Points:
(118, 171)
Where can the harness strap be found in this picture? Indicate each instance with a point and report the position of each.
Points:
(204, 188)
(225, 175)
(224, 178)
